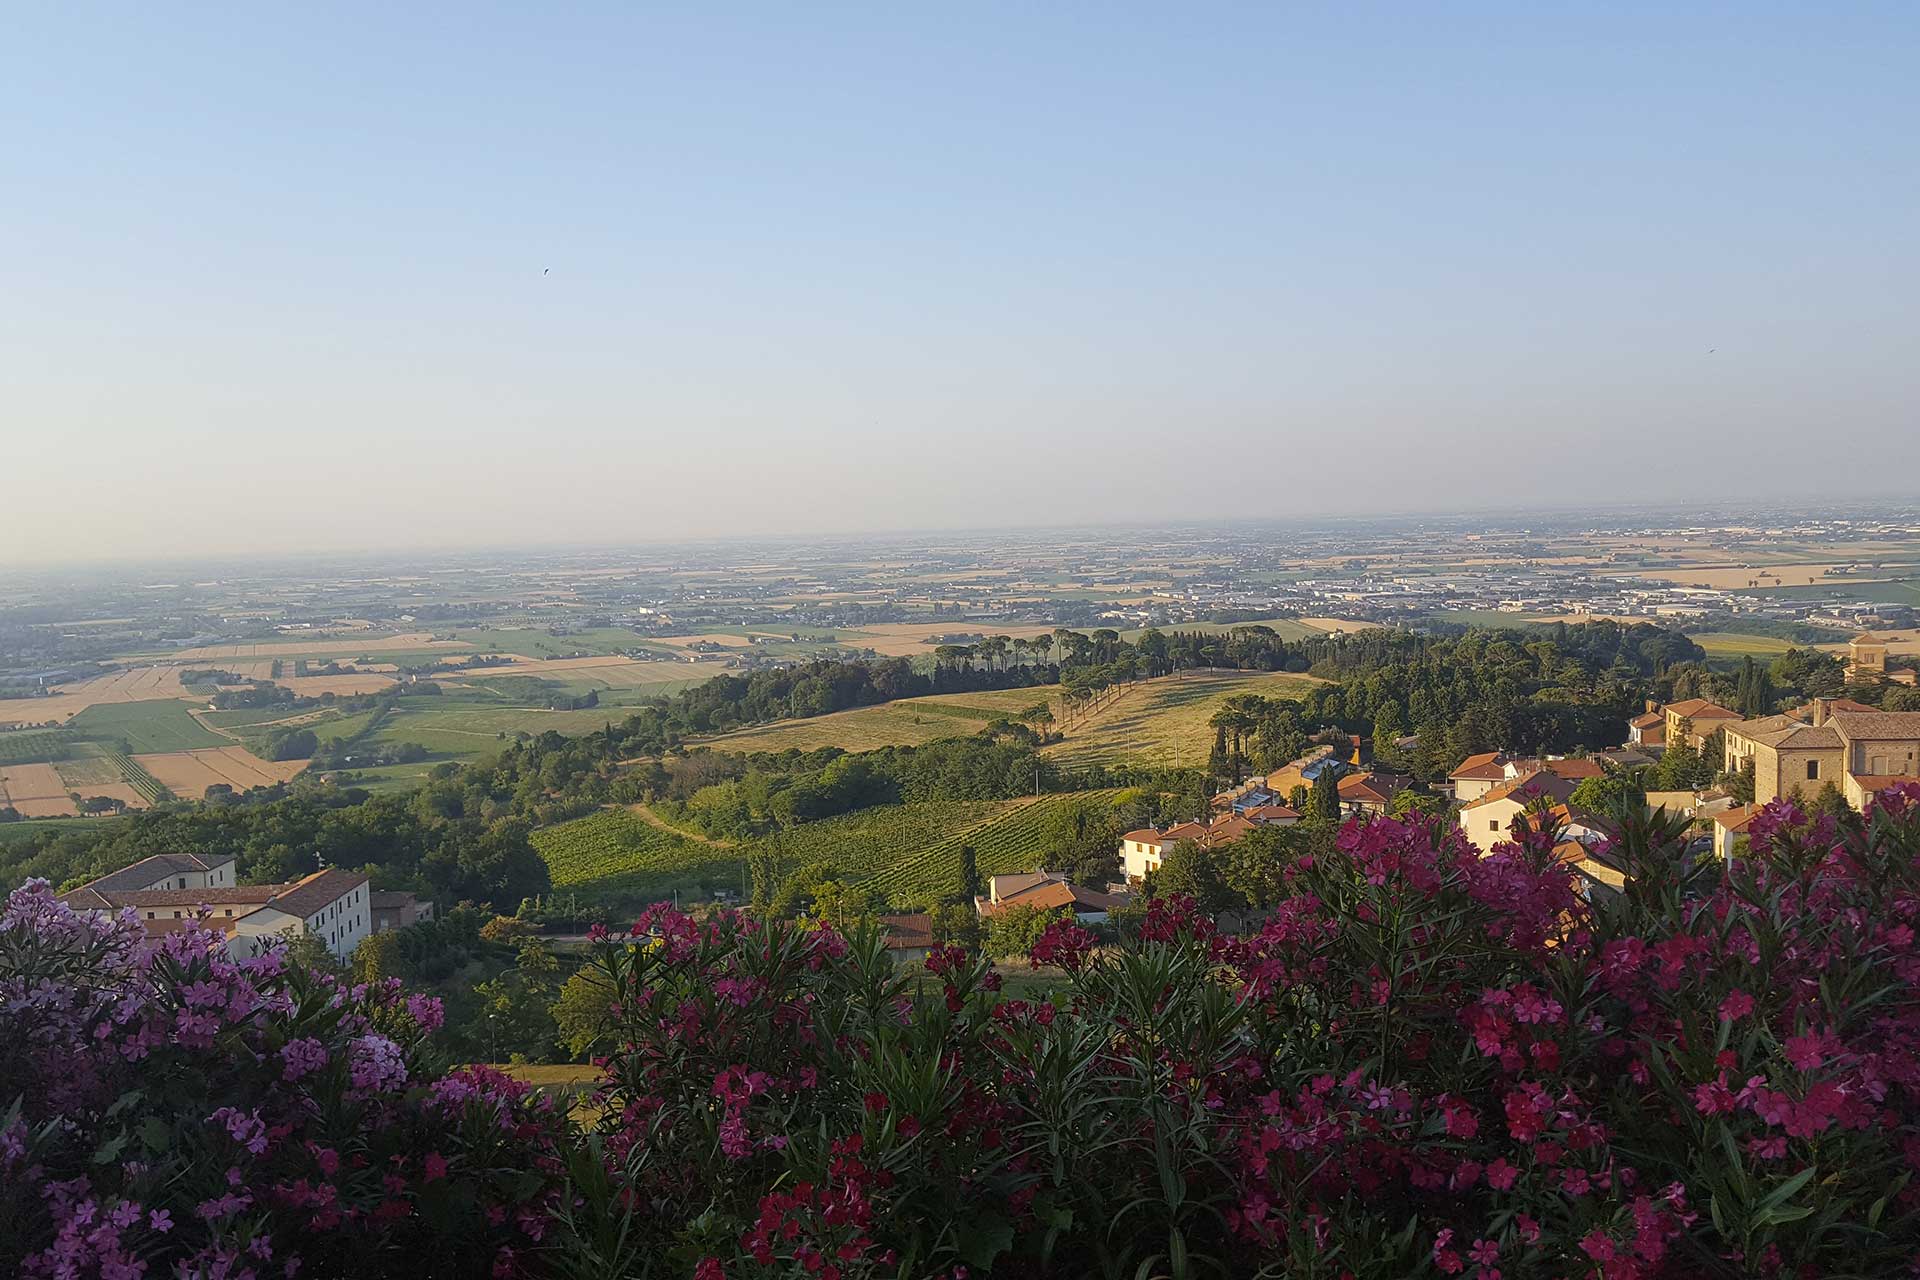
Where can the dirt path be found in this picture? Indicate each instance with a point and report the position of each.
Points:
(199, 714)
(653, 819)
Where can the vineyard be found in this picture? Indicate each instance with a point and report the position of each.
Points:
(908, 855)
(625, 858)
(1010, 842)
(872, 844)
(136, 775)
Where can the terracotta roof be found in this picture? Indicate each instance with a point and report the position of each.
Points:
(1881, 781)
(1228, 828)
(1018, 882)
(1877, 725)
(1485, 764)
(1701, 709)
(1648, 720)
(1735, 819)
(250, 895)
(1143, 835)
(1059, 893)
(1183, 831)
(908, 931)
(1538, 783)
(306, 896)
(1573, 770)
(1866, 637)
(144, 872)
(1271, 813)
(1372, 788)
(1848, 704)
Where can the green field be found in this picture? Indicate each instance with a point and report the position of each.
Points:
(908, 854)
(530, 642)
(1164, 721)
(1733, 644)
(891, 724)
(35, 746)
(1906, 591)
(161, 724)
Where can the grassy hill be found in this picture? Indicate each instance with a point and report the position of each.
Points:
(906, 723)
(1164, 721)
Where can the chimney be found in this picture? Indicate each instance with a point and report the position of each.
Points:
(1653, 705)
(1819, 706)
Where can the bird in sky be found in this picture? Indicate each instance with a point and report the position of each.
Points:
(544, 270)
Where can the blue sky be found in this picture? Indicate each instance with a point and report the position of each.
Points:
(279, 269)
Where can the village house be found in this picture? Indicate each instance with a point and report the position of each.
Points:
(1648, 730)
(1867, 663)
(1479, 774)
(1144, 849)
(1859, 750)
(396, 910)
(1694, 720)
(909, 937)
(1488, 819)
(1300, 773)
(1728, 826)
(1047, 891)
(1370, 794)
(174, 889)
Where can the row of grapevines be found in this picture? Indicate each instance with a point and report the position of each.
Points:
(614, 852)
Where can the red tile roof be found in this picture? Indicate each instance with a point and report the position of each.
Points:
(1485, 764)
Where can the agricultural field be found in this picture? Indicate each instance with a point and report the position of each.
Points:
(35, 746)
(1164, 721)
(1735, 645)
(135, 685)
(619, 856)
(1905, 591)
(871, 845)
(412, 643)
(603, 673)
(906, 723)
(531, 642)
(911, 639)
(152, 726)
(908, 854)
(1010, 841)
(190, 773)
(35, 791)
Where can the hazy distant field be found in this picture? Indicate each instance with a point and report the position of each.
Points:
(1733, 644)
(1165, 721)
(190, 773)
(137, 684)
(148, 726)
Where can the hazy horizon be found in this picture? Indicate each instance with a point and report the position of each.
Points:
(361, 279)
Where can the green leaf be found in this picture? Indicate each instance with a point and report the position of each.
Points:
(1785, 1191)
(109, 1151)
(155, 1134)
(985, 1239)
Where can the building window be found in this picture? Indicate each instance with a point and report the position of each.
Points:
(1493, 824)
(1813, 771)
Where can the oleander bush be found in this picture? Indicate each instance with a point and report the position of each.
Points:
(1424, 1062)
